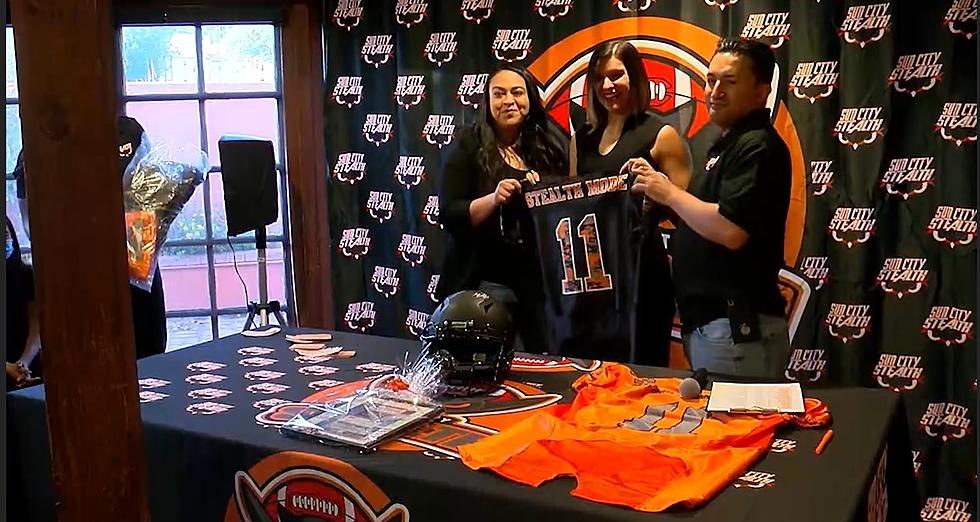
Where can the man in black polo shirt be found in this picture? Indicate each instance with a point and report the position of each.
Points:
(728, 247)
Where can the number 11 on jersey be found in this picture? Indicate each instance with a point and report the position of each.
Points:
(597, 280)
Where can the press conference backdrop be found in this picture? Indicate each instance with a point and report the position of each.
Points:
(875, 100)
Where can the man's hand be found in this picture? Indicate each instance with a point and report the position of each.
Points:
(650, 182)
(19, 374)
(506, 190)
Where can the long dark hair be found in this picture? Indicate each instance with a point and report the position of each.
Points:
(596, 113)
(539, 142)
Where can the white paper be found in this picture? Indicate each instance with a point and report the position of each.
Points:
(756, 398)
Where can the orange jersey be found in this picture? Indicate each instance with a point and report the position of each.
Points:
(634, 442)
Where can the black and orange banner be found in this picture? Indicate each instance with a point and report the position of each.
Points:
(876, 100)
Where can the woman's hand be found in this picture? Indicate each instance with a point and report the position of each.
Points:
(18, 373)
(506, 189)
(532, 177)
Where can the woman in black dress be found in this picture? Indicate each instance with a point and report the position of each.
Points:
(619, 132)
(514, 141)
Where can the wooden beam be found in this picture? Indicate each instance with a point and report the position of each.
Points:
(302, 54)
(68, 113)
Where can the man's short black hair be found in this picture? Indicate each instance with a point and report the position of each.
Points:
(762, 58)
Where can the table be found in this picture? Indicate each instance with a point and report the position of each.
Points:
(213, 451)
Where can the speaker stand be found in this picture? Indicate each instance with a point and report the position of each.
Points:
(263, 308)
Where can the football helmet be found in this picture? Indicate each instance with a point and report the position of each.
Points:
(474, 336)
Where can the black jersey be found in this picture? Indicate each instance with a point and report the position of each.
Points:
(585, 234)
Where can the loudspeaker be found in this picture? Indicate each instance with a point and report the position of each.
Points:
(248, 168)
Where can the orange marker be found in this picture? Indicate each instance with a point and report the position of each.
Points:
(829, 434)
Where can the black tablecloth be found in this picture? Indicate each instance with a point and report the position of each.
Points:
(209, 456)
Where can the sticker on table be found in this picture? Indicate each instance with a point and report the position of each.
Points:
(304, 486)
(309, 337)
(268, 332)
(252, 351)
(149, 383)
(324, 384)
(756, 480)
(208, 393)
(325, 352)
(783, 446)
(205, 378)
(376, 367)
(205, 366)
(267, 388)
(257, 362)
(535, 364)
(265, 404)
(280, 413)
(208, 408)
(345, 354)
(318, 370)
(311, 359)
(263, 375)
(150, 396)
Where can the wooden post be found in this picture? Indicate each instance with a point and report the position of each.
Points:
(302, 54)
(68, 113)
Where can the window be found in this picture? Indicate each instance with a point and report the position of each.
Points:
(14, 145)
(190, 84)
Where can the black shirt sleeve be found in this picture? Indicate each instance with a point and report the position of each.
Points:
(18, 175)
(742, 194)
(459, 185)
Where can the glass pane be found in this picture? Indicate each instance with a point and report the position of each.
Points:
(13, 212)
(190, 223)
(176, 122)
(11, 70)
(232, 324)
(185, 277)
(239, 58)
(13, 136)
(219, 221)
(159, 59)
(257, 117)
(228, 286)
(187, 331)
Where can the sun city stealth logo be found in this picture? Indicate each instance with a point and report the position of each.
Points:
(412, 249)
(410, 171)
(553, 9)
(416, 322)
(349, 167)
(441, 48)
(433, 285)
(360, 316)
(354, 242)
(411, 12)
(953, 226)
(377, 49)
(347, 91)
(385, 280)
(961, 19)
(632, 6)
(865, 24)
(380, 205)
(948, 325)
(409, 91)
(916, 463)
(377, 128)
(721, 4)
(470, 91)
(942, 509)
(821, 176)
(511, 45)
(848, 322)
(348, 14)
(772, 27)
(945, 420)
(439, 129)
(782, 446)
(907, 177)
(476, 10)
(902, 276)
(814, 80)
(915, 73)
(898, 372)
(815, 269)
(852, 225)
(430, 212)
(756, 479)
(958, 123)
(859, 126)
(806, 366)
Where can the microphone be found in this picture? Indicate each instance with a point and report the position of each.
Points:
(691, 387)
